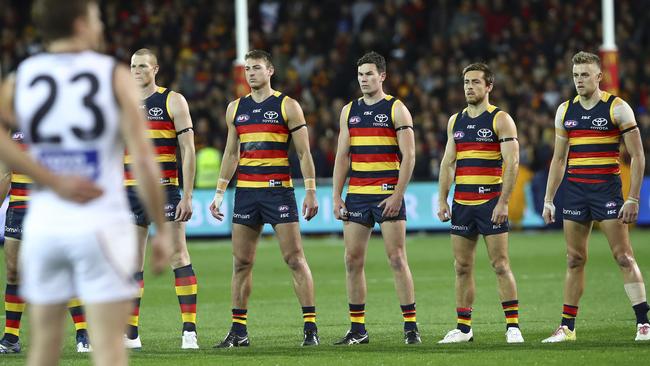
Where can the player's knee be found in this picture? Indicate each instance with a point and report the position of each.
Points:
(242, 264)
(295, 260)
(354, 261)
(12, 275)
(462, 268)
(576, 261)
(624, 260)
(397, 261)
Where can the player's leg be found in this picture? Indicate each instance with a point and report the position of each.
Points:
(497, 248)
(105, 323)
(132, 339)
(355, 238)
(244, 246)
(576, 234)
(292, 252)
(619, 242)
(394, 234)
(78, 314)
(185, 285)
(45, 344)
(14, 304)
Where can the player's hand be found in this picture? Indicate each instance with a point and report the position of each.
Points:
(500, 213)
(629, 212)
(161, 250)
(184, 209)
(340, 211)
(214, 206)
(548, 214)
(392, 204)
(77, 189)
(309, 205)
(444, 212)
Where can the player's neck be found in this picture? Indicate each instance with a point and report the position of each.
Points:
(259, 95)
(373, 98)
(475, 110)
(588, 102)
(70, 44)
(148, 90)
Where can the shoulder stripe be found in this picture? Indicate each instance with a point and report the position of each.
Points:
(283, 108)
(453, 121)
(236, 105)
(347, 116)
(167, 106)
(616, 101)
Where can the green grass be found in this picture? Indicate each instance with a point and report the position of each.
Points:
(605, 324)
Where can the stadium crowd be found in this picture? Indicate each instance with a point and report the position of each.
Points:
(528, 43)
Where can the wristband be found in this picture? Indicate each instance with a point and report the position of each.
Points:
(310, 184)
(222, 184)
(218, 198)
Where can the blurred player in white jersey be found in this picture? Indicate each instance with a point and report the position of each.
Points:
(78, 108)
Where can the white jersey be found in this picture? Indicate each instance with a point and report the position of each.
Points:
(67, 110)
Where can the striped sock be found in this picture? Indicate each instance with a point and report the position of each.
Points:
(408, 313)
(511, 309)
(464, 322)
(78, 316)
(309, 317)
(569, 313)
(358, 317)
(14, 308)
(134, 319)
(641, 312)
(186, 289)
(239, 318)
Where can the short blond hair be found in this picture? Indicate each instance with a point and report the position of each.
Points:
(586, 58)
(147, 52)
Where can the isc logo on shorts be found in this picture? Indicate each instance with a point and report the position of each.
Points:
(387, 187)
(275, 183)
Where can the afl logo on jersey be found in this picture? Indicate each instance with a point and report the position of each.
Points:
(570, 123)
(283, 208)
(243, 118)
(599, 122)
(610, 204)
(155, 112)
(354, 120)
(459, 135)
(270, 114)
(17, 136)
(484, 133)
(381, 118)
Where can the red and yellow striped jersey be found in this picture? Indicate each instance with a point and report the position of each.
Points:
(374, 152)
(162, 132)
(479, 162)
(264, 142)
(20, 184)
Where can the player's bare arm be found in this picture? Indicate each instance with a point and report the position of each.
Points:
(180, 113)
(341, 166)
(507, 132)
(447, 172)
(406, 142)
(229, 161)
(5, 184)
(299, 135)
(147, 172)
(71, 188)
(558, 163)
(624, 118)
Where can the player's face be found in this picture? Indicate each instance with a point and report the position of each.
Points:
(143, 70)
(586, 78)
(258, 73)
(476, 89)
(370, 80)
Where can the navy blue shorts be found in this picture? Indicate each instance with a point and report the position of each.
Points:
(363, 209)
(468, 220)
(139, 213)
(14, 223)
(258, 206)
(597, 201)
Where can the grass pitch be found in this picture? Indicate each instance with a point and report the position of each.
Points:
(605, 324)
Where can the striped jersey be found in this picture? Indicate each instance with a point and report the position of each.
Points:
(20, 184)
(594, 139)
(264, 142)
(374, 152)
(479, 162)
(162, 132)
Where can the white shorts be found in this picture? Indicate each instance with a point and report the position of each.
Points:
(96, 265)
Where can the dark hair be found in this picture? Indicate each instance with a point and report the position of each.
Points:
(260, 55)
(373, 57)
(586, 58)
(147, 52)
(54, 18)
(488, 76)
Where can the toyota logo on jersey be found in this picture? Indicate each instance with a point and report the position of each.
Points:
(599, 122)
(484, 133)
(381, 118)
(270, 114)
(155, 111)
